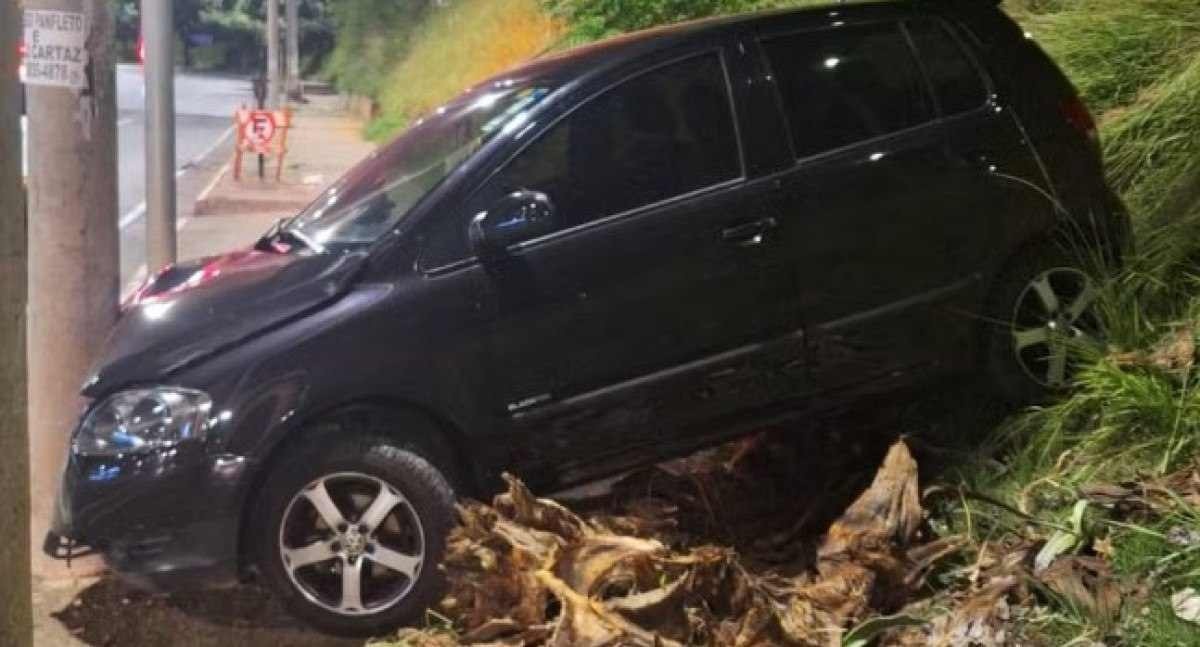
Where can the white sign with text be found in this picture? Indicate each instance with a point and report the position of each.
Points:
(56, 49)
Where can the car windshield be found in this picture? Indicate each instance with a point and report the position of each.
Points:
(379, 192)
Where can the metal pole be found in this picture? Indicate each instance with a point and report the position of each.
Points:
(295, 88)
(73, 270)
(16, 618)
(272, 54)
(158, 32)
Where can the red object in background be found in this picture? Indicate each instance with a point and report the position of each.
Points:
(141, 51)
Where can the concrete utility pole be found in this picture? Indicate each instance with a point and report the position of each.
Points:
(16, 618)
(73, 271)
(158, 33)
(273, 54)
(295, 88)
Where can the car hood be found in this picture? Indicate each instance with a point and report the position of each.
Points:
(194, 310)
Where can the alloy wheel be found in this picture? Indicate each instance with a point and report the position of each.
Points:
(352, 544)
(1052, 313)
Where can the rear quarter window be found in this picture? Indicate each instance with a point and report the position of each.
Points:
(957, 82)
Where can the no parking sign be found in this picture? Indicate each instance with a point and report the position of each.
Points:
(261, 132)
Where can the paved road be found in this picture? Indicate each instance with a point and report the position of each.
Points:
(204, 108)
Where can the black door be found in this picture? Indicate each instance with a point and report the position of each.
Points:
(887, 242)
(611, 333)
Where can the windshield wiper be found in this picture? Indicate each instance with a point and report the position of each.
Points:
(281, 232)
(304, 239)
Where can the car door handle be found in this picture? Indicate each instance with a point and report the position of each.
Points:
(749, 234)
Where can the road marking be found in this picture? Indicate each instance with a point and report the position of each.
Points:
(140, 275)
(137, 212)
(211, 149)
(212, 184)
(125, 122)
(133, 215)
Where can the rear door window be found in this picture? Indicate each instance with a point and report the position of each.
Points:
(956, 80)
(846, 85)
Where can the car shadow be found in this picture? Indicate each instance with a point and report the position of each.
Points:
(109, 612)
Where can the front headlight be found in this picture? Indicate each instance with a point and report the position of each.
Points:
(142, 420)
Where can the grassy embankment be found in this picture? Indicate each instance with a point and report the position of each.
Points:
(456, 46)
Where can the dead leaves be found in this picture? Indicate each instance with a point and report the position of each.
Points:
(1175, 353)
(1087, 585)
(982, 619)
(528, 571)
(1148, 496)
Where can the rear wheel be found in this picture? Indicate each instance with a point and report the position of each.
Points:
(1042, 307)
(353, 534)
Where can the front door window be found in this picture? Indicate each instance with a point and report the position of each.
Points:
(662, 134)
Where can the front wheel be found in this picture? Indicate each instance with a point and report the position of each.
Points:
(353, 535)
(1043, 305)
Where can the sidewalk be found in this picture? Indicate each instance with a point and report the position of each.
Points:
(226, 215)
(323, 144)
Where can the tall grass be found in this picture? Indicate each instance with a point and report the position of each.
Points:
(457, 46)
(1137, 64)
(1153, 147)
(1115, 49)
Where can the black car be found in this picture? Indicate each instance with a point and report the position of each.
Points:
(603, 258)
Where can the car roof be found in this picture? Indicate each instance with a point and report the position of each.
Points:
(558, 67)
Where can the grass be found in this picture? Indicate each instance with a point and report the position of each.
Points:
(1122, 422)
(457, 46)
(1114, 49)
(1137, 64)
(1151, 145)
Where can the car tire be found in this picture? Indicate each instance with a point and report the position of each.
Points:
(1041, 303)
(387, 532)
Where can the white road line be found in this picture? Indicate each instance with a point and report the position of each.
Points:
(137, 212)
(125, 122)
(212, 184)
(133, 215)
(211, 149)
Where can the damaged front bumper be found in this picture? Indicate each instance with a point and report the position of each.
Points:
(165, 520)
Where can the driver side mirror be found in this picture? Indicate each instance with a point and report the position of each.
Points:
(516, 217)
